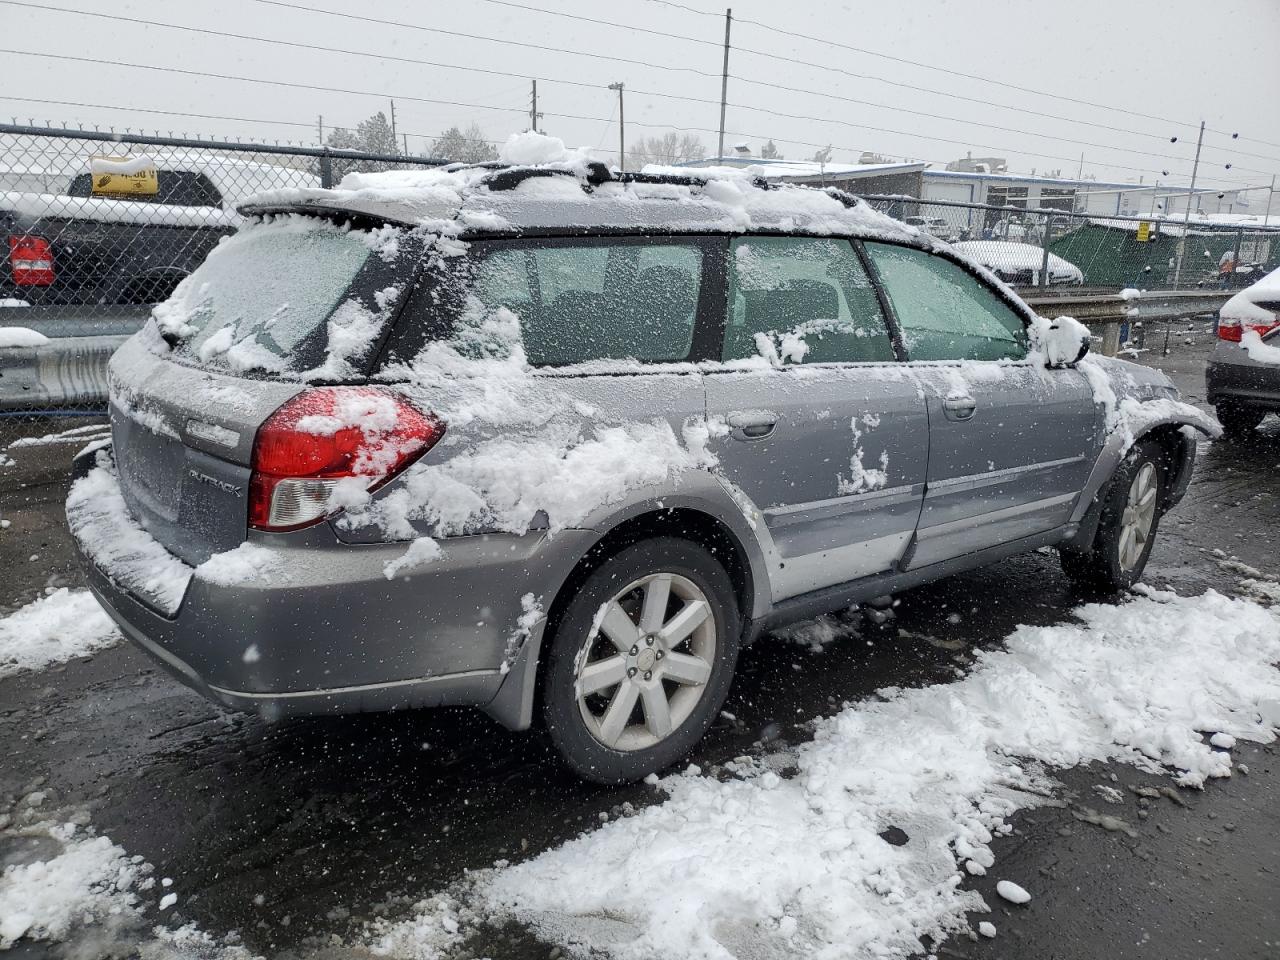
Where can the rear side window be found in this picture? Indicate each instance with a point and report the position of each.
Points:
(186, 188)
(945, 313)
(803, 299)
(594, 301)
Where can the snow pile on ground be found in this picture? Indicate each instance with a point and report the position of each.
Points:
(88, 433)
(92, 897)
(89, 881)
(770, 866)
(54, 629)
(21, 337)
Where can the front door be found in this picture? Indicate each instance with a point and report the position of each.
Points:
(826, 436)
(1011, 443)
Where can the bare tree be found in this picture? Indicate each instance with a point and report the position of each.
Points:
(468, 146)
(665, 150)
(370, 136)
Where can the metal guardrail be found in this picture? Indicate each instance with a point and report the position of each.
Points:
(1111, 311)
(70, 371)
(66, 373)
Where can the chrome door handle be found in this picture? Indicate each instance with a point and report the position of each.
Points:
(959, 408)
(751, 424)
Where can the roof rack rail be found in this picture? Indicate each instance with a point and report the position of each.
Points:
(509, 178)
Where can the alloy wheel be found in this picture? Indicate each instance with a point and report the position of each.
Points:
(1139, 516)
(646, 662)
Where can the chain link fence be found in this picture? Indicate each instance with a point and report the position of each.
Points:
(96, 227)
(1053, 248)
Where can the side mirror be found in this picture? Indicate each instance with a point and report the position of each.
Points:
(1063, 342)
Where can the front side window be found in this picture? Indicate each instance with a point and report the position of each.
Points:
(591, 301)
(945, 313)
(802, 299)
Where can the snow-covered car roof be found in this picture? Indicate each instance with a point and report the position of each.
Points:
(1244, 305)
(576, 194)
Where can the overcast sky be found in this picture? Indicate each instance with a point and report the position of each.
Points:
(1169, 62)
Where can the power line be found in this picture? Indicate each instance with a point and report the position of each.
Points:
(476, 106)
(761, 53)
(946, 70)
(578, 83)
(473, 36)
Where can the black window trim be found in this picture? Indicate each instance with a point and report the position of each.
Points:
(1020, 309)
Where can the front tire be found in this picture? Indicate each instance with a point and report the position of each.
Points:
(1238, 420)
(641, 660)
(1127, 530)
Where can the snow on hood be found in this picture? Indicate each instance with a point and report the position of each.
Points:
(1016, 256)
(1244, 305)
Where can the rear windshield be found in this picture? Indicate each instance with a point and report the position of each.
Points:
(261, 299)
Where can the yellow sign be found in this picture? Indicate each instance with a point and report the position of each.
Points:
(1144, 231)
(123, 176)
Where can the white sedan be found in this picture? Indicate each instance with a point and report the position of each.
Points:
(1018, 264)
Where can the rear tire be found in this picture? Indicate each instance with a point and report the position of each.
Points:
(641, 660)
(1127, 530)
(1238, 420)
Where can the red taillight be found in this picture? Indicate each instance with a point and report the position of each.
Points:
(31, 261)
(327, 435)
(1232, 328)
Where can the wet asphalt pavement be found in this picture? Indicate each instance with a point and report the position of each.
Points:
(290, 832)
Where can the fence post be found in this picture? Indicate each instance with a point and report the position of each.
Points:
(326, 169)
(1044, 259)
(1239, 255)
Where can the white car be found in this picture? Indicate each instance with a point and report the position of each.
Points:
(1019, 264)
(934, 226)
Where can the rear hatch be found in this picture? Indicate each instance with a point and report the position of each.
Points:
(281, 303)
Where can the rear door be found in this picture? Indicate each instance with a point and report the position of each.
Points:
(1011, 443)
(827, 437)
(608, 325)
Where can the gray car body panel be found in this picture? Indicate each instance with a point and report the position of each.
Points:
(337, 634)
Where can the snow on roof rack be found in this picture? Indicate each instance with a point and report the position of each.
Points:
(511, 177)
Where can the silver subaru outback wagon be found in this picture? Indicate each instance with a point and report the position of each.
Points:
(556, 443)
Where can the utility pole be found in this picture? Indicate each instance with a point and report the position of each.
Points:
(320, 130)
(1186, 216)
(394, 138)
(406, 143)
(622, 129)
(534, 115)
(1080, 174)
(1271, 195)
(724, 81)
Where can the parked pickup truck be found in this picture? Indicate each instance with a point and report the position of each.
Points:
(76, 248)
(78, 271)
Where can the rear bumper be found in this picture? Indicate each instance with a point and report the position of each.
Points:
(323, 630)
(1232, 375)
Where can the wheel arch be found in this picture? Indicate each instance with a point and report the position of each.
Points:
(1176, 437)
(687, 518)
